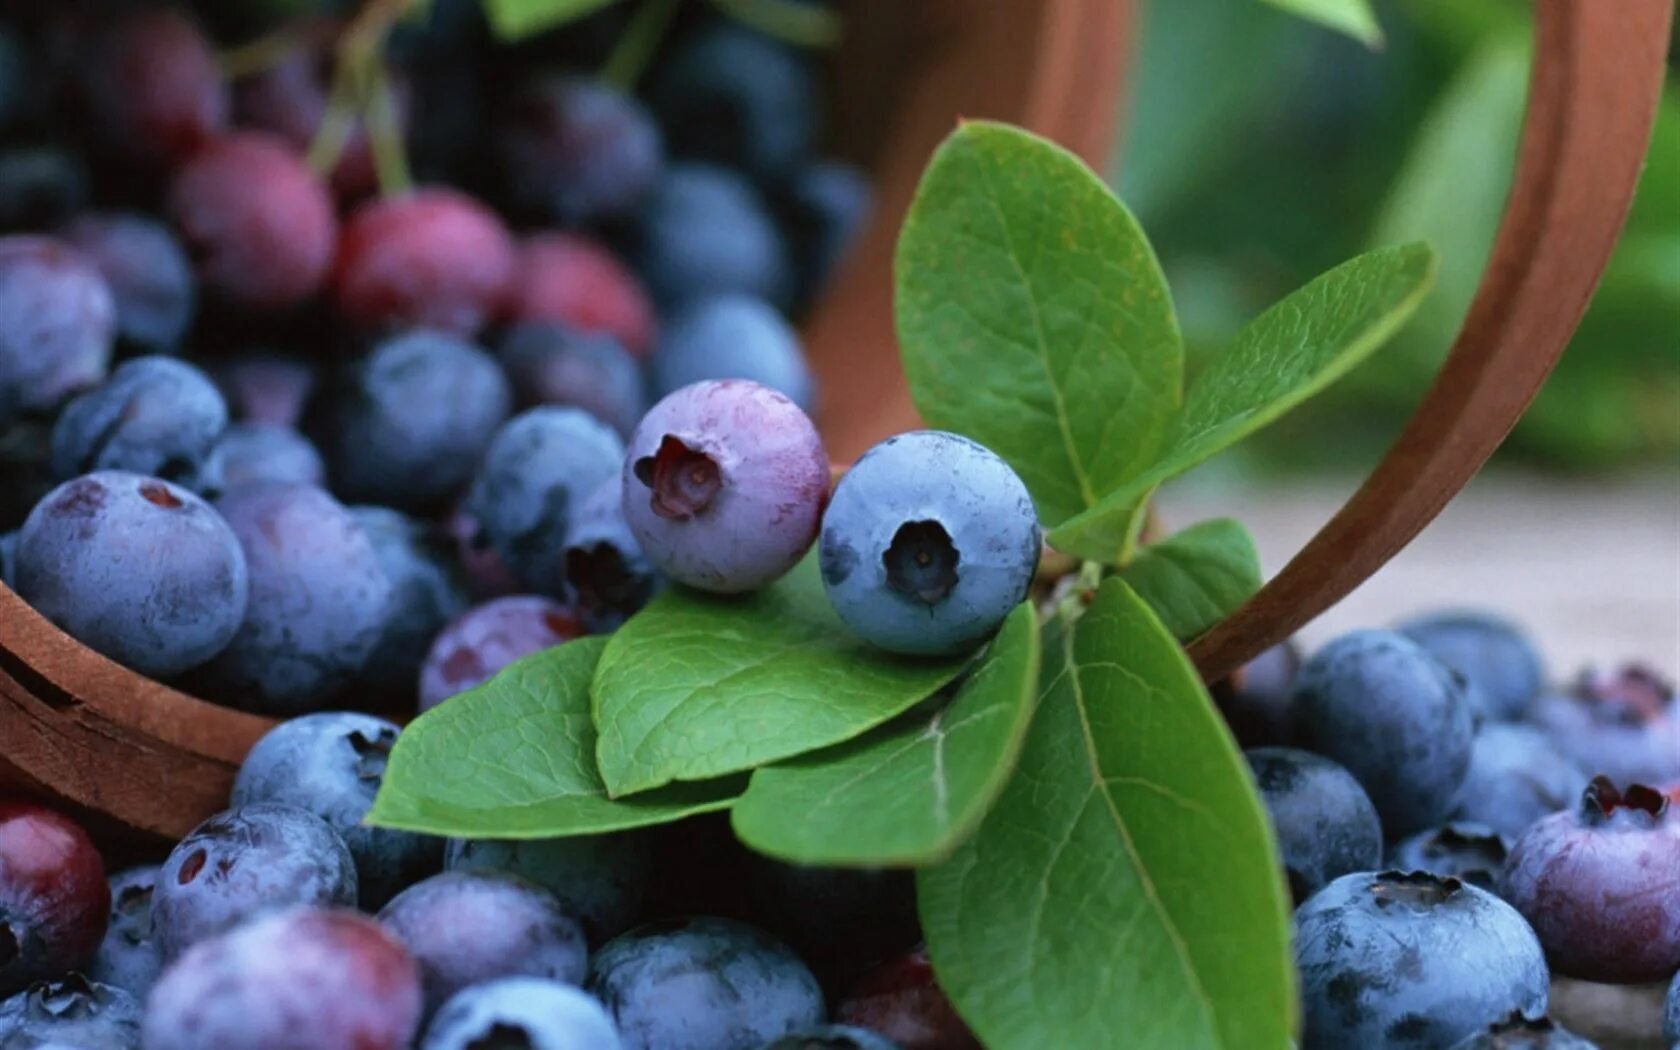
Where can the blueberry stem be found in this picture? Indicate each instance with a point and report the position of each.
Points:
(800, 24)
(634, 51)
(390, 161)
(261, 54)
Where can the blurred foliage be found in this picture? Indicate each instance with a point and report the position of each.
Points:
(1261, 150)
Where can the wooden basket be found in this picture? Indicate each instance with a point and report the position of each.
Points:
(133, 756)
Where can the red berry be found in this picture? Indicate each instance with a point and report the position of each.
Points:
(155, 90)
(433, 258)
(901, 1000)
(54, 901)
(570, 279)
(256, 220)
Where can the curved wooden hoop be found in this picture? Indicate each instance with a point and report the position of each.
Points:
(1597, 79)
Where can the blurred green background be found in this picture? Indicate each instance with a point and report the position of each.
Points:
(1260, 150)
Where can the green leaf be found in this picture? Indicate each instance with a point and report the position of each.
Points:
(1033, 316)
(515, 758)
(699, 685)
(1196, 577)
(1353, 17)
(517, 19)
(904, 795)
(1124, 890)
(1297, 347)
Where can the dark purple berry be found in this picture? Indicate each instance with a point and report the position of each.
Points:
(488, 637)
(902, 1000)
(577, 150)
(57, 323)
(551, 364)
(603, 880)
(1258, 701)
(568, 279)
(265, 388)
(154, 87)
(150, 276)
(53, 895)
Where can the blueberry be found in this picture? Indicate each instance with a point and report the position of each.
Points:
(1326, 826)
(928, 544)
(42, 186)
(331, 764)
(901, 1000)
(1517, 1032)
(8, 558)
(427, 592)
(1597, 883)
(1473, 853)
(567, 279)
(319, 599)
(149, 274)
(244, 861)
(705, 231)
(255, 452)
(1411, 960)
(154, 89)
(257, 221)
(1493, 654)
(154, 415)
(71, 1012)
(1624, 724)
(57, 324)
(824, 211)
(841, 920)
(703, 984)
(408, 424)
(527, 1012)
(301, 977)
(1671, 1013)
(53, 896)
(431, 258)
(468, 927)
(540, 465)
(488, 637)
(724, 485)
(576, 150)
(732, 336)
(265, 388)
(1258, 702)
(1516, 777)
(1395, 717)
(487, 573)
(734, 96)
(601, 879)
(128, 957)
(832, 1037)
(135, 568)
(552, 364)
(606, 571)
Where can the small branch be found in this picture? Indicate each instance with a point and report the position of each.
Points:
(343, 106)
(261, 54)
(805, 25)
(390, 160)
(634, 51)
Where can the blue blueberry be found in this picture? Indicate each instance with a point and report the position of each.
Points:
(1624, 724)
(607, 573)
(8, 558)
(527, 1012)
(734, 96)
(705, 231)
(1396, 718)
(1524, 1033)
(250, 452)
(1411, 960)
(1671, 1013)
(301, 977)
(576, 150)
(128, 957)
(929, 542)
(602, 880)
(832, 1037)
(468, 927)
(427, 592)
(480, 642)
(407, 425)
(1516, 777)
(154, 415)
(319, 600)
(540, 466)
(135, 568)
(703, 984)
(57, 325)
(724, 484)
(553, 364)
(824, 211)
(244, 861)
(732, 336)
(331, 764)
(265, 388)
(1258, 702)
(1498, 659)
(902, 1000)
(150, 276)
(72, 1012)
(1326, 826)
(1462, 850)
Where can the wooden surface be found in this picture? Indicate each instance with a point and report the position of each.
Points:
(1597, 77)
